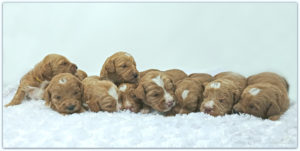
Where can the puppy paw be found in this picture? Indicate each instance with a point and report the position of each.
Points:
(145, 110)
(274, 117)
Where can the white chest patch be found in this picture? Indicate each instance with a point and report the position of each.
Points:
(254, 91)
(62, 81)
(209, 104)
(184, 94)
(157, 80)
(36, 93)
(215, 85)
(113, 92)
(123, 88)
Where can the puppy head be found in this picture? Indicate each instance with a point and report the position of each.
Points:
(80, 74)
(101, 95)
(219, 97)
(64, 93)
(156, 89)
(54, 64)
(188, 94)
(128, 98)
(260, 100)
(121, 66)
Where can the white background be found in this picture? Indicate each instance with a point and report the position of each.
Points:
(196, 37)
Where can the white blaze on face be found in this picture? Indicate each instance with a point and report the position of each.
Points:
(184, 94)
(62, 81)
(254, 91)
(113, 92)
(215, 85)
(123, 88)
(209, 104)
(157, 80)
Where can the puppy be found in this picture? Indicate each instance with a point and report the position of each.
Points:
(156, 89)
(175, 74)
(120, 68)
(64, 94)
(146, 71)
(33, 83)
(266, 96)
(204, 78)
(221, 94)
(189, 93)
(80, 74)
(101, 95)
(129, 99)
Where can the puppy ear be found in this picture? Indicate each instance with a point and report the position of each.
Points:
(46, 70)
(236, 96)
(140, 92)
(110, 66)
(47, 96)
(273, 109)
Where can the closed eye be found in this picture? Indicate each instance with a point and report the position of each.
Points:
(57, 97)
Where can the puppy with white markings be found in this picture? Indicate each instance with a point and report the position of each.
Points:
(156, 89)
(34, 82)
(64, 94)
(128, 98)
(221, 94)
(101, 95)
(266, 96)
(120, 68)
(189, 93)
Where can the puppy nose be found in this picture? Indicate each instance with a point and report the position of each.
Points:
(71, 107)
(73, 68)
(234, 111)
(135, 75)
(207, 110)
(170, 103)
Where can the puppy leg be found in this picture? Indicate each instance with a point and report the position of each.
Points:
(145, 109)
(18, 98)
(82, 110)
(93, 105)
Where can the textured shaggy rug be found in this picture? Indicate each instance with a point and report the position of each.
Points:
(34, 125)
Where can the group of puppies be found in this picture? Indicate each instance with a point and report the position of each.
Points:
(121, 86)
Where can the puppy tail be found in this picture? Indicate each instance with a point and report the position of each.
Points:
(19, 96)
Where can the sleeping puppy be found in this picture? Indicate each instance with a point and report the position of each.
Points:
(189, 93)
(156, 89)
(120, 68)
(266, 96)
(64, 94)
(100, 95)
(80, 74)
(146, 71)
(221, 94)
(128, 98)
(204, 78)
(175, 74)
(33, 83)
